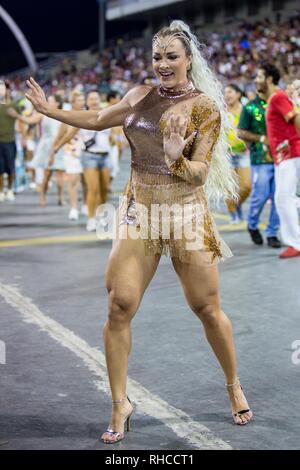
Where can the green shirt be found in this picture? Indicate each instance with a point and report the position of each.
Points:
(7, 124)
(252, 119)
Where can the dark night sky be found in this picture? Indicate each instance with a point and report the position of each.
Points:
(50, 26)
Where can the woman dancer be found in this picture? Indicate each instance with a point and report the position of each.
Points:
(177, 133)
(239, 155)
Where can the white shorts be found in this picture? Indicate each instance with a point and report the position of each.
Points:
(72, 164)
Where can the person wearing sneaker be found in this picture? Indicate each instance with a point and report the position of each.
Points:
(175, 130)
(252, 129)
(68, 138)
(239, 153)
(40, 162)
(95, 162)
(8, 115)
(283, 126)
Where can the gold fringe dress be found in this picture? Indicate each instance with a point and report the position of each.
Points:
(186, 231)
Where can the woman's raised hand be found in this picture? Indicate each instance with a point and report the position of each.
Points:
(36, 96)
(174, 136)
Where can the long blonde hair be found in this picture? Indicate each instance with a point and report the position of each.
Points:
(221, 182)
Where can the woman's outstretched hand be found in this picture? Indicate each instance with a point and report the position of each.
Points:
(36, 96)
(174, 133)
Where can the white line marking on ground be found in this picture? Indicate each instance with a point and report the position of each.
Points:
(177, 420)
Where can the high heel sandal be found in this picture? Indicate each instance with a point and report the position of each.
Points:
(237, 414)
(118, 436)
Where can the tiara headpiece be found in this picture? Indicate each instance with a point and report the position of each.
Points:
(177, 35)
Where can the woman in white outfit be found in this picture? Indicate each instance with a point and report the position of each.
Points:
(71, 154)
(49, 130)
(95, 160)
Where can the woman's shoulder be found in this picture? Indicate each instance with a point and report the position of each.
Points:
(203, 101)
(204, 110)
(136, 94)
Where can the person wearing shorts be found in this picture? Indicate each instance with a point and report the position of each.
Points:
(95, 161)
(68, 137)
(8, 115)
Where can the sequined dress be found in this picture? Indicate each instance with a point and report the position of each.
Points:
(166, 201)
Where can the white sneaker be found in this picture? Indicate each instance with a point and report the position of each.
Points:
(91, 225)
(73, 214)
(2, 197)
(20, 189)
(10, 195)
(84, 210)
(32, 185)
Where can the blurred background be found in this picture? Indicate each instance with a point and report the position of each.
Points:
(108, 42)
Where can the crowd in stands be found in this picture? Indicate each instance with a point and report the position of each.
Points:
(234, 54)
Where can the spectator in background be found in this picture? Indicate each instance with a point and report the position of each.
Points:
(94, 161)
(291, 91)
(235, 54)
(239, 153)
(40, 161)
(252, 129)
(283, 126)
(8, 113)
(71, 153)
(117, 138)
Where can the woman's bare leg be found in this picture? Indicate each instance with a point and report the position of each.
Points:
(104, 184)
(245, 183)
(60, 186)
(205, 303)
(244, 178)
(44, 186)
(128, 274)
(73, 180)
(91, 176)
(84, 189)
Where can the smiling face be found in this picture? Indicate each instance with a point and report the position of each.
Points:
(170, 62)
(261, 81)
(93, 100)
(78, 103)
(232, 97)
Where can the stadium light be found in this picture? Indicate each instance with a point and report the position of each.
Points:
(12, 25)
